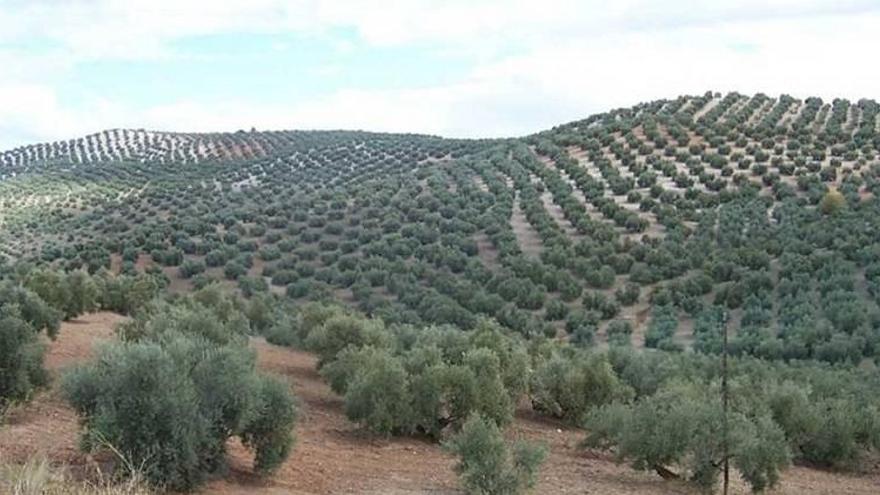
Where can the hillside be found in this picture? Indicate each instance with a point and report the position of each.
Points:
(639, 225)
(573, 287)
(704, 202)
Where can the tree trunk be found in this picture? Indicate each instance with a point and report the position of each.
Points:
(665, 473)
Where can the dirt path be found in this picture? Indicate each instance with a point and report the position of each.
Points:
(47, 425)
(528, 238)
(333, 456)
(486, 251)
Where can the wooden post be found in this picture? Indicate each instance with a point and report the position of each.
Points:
(724, 396)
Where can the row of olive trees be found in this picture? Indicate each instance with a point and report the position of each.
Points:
(35, 301)
(660, 411)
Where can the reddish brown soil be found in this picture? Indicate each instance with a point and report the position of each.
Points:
(333, 456)
(47, 425)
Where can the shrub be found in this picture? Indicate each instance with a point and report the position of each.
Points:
(23, 315)
(252, 285)
(487, 466)
(442, 396)
(399, 381)
(270, 433)
(71, 293)
(190, 268)
(619, 332)
(492, 400)
(378, 395)
(31, 308)
(683, 427)
(285, 330)
(125, 293)
(556, 310)
(581, 327)
(157, 320)
(832, 202)
(21, 357)
(341, 331)
(628, 294)
(170, 402)
(233, 270)
(136, 399)
(662, 328)
(298, 289)
(83, 294)
(570, 387)
(260, 311)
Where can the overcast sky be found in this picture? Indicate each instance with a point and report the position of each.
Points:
(455, 68)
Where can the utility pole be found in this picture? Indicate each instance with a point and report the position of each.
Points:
(724, 396)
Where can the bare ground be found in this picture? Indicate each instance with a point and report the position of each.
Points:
(528, 238)
(333, 456)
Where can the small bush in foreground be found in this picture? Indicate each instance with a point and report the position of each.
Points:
(488, 466)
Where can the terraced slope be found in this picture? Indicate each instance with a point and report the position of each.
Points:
(652, 225)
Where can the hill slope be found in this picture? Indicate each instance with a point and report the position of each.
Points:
(161, 147)
(646, 225)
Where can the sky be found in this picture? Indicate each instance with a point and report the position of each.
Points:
(456, 68)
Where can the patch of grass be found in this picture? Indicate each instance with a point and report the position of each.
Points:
(39, 477)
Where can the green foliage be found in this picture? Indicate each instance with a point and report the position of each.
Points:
(285, 330)
(661, 329)
(832, 202)
(261, 312)
(31, 308)
(160, 318)
(83, 294)
(619, 332)
(398, 381)
(492, 399)
(419, 231)
(339, 332)
(683, 427)
(23, 315)
(233, 270)
(125, 294)
(179, 384)
(832, 432)
(137, 399)
(628, 294)
(487, 465)
(270, 432)
(191, 268)
(72, 293)
(21, 357)
(377, 395)
(569, 387)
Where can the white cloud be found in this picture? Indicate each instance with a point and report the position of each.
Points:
(571, 59)
(552, 84)
(145, 28)
(31, 112)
